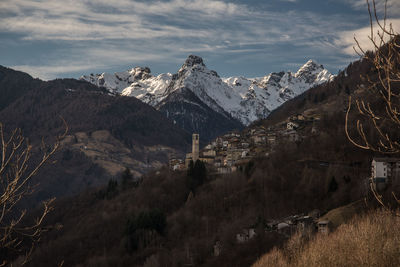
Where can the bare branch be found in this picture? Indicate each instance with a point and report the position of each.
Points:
(384, 82)
(15, 176)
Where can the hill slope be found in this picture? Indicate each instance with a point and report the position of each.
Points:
(13, 84)
(106, 133)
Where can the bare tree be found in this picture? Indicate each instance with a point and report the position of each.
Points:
(384, 82)
(385, 58)
(16, 172)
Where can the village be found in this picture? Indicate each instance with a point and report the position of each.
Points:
(232, 151)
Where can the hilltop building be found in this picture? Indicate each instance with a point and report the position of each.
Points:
(383, 171)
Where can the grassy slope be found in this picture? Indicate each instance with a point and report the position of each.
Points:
(369, 240)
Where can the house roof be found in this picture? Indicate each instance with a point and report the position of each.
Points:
(386, 159)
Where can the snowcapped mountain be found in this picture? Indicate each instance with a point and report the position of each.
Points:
(259, 96)
(137, 82)
(193, 100)
(240, 98)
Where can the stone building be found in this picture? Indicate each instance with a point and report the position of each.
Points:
(195, 147)
(195, 150)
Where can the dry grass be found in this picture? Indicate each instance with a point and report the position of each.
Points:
(343, 214)
(370, 240)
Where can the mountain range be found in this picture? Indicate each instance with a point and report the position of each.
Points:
(103, 113)
(239, 100)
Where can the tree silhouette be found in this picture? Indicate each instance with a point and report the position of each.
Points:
(127, 177)
(197, 174)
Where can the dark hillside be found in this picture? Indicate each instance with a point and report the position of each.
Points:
(220, 209)
(13, 84)
(194, 116)
(86, 108)
(106, 133)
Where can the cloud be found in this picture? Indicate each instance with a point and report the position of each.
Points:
(345, 39)
(347, 42)
(132, 20)
(119, 19)
(86, 61)
(119, 32)
(392, 7)
(50, 71)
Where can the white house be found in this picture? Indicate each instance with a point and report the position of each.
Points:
(383, 170)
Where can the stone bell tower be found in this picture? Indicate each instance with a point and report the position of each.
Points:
(195, 147)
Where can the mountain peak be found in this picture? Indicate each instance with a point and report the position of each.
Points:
(311, 62)
(191, 63)
(311, 68)
(193, 60)
(139, 73)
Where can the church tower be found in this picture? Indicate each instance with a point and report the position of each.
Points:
(195, 147)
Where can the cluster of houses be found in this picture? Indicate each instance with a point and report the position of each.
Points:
(290, 225)
(233, 150)
(310, 223)
(383, 172)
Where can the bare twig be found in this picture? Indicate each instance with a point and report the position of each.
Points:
(15, 176)
(385, 58)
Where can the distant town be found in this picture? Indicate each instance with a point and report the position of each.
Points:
(233, 151)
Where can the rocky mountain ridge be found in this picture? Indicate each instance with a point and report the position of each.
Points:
(243, 99)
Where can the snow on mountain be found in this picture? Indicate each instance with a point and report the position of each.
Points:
(246, 99)
(259, 96)
(150, 90)
(205, 84)
(137, 82)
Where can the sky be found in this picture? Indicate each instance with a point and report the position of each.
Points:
(68, 38)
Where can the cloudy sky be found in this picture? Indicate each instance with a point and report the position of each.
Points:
(68, 38)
